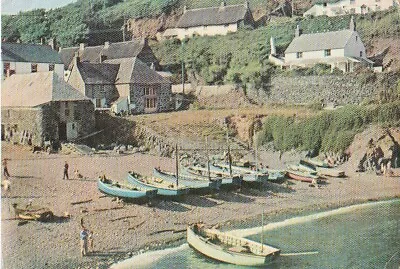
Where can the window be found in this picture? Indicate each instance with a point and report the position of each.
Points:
(66, 110)
(6, 68)
(361, 54)
(149, 91)
(327, 52)
(299, 55)
(150, 102)
(51, 67)
(33, 68)
(98, 102)
(325, 4)
(356, 38)
(77, 112)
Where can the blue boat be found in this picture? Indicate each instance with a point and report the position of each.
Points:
(114, 188)
(226, 178)
(191, 181)
(163, 188)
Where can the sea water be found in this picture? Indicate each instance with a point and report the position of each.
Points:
(360, 236)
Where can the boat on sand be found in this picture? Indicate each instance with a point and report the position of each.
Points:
(117, 189)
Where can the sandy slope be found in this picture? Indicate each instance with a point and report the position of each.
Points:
(38, 177)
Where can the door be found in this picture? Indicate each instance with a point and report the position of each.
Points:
(72, 131)
(62, 131)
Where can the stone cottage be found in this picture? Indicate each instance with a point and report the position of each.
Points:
(42, 107)
(212, 21)
(19, 58)
(126, 85)
(342, 49)
(96, 54)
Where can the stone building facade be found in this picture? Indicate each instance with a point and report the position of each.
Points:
(57, 113)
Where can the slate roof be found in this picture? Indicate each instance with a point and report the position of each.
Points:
(34, 89)
(31, 53)
(133, 70)
(320, 41)
(117, 50)
(212, 16)
(98, 73)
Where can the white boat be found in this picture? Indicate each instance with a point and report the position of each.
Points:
(228, 248)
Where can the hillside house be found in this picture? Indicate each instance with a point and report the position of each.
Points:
(212, 21)
(342, 49)
(124, 85)
(42, 107)
(18, 58)
(342, 7)
(129, 49)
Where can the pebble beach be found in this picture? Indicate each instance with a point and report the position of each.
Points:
(122, 229)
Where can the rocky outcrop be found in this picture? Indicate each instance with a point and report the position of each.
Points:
(375, 149)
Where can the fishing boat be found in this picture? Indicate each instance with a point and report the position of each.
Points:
(250, 175)
(331, 172)
(314, 163)
(228, 248)
(302, 176)
(163, 187)
(225, 177)
(33, 212)
(191, 181)
(114, 188)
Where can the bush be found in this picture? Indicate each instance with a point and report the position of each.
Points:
(329, 130)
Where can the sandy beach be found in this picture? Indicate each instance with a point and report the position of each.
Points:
(122, 229)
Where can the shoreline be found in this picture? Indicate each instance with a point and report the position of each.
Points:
(123, 230)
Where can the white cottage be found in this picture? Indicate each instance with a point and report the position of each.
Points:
(212, 21)
(18, 58)
(342, 7)
(340, 49)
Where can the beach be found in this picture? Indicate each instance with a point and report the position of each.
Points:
(123, 229)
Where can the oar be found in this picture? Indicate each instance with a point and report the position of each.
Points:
(300, 253)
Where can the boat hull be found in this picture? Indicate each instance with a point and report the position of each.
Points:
(219, 253)
(160, 190)
(296, 175)
(114, 190)
(194, 182)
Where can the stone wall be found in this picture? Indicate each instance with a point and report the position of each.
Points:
(339, 89)
(22, 124)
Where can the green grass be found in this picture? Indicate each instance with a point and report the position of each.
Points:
(329, 130)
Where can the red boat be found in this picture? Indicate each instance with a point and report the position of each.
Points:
(301, 176)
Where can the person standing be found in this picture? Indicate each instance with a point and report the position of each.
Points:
(84, 241)
(5, 169)
(66, 170)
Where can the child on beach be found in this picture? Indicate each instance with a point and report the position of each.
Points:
(84, 241)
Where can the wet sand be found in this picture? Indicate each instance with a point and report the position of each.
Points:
(121, 229)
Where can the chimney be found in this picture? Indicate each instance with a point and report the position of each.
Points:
(223, 4)
(102, 57)
(124, 29)
(106, 44)
(298, 31)
(82, 46)
(184, 9)
(273, 47)
(145, 41)
(77, 59)
(53, 43)
(42, 41)
(352, 24)
(152, 66)
(246, 4)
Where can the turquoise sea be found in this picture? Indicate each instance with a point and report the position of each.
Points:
(361, 236)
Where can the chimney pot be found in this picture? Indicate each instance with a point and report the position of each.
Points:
(82, 46)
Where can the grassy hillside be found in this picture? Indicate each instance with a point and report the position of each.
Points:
(242, 57)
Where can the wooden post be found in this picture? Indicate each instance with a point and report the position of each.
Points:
(208, 160)
(255, 152)
(229, 152)
(177, 165)
(262, 231)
